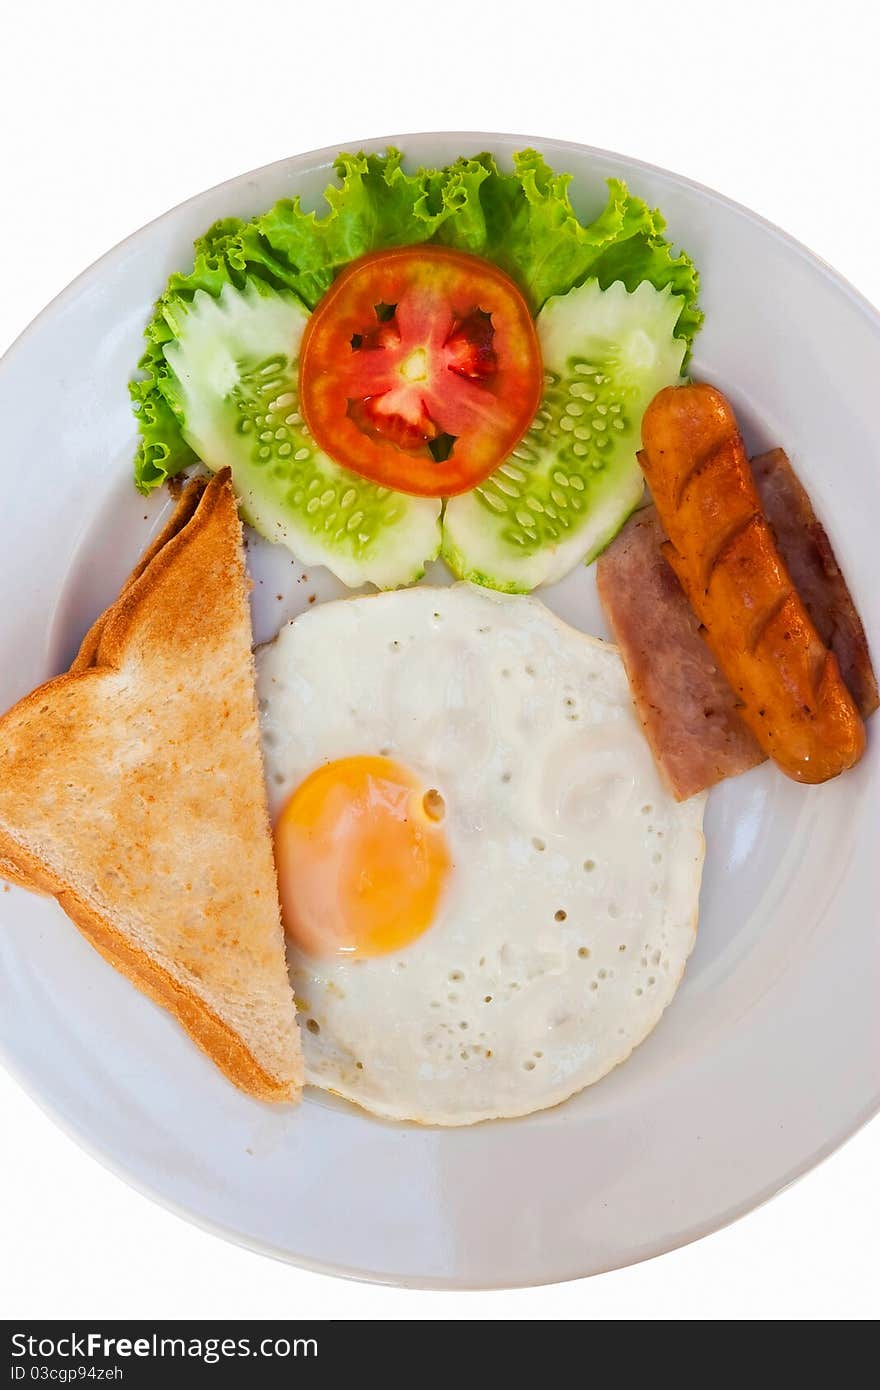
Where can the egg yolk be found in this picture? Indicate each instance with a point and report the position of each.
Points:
(362, 858)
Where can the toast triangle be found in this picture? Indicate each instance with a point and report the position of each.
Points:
(132, 789)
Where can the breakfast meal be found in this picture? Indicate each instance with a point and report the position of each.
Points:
(430, 848)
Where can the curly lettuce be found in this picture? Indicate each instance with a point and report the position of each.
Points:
(521, 219)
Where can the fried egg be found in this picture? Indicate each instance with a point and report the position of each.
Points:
(489, 895)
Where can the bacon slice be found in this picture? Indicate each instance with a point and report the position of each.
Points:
(687, 709)
(810, 561)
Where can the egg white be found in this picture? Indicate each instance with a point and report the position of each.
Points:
(571, 907)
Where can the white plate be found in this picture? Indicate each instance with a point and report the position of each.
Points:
(768, 1057)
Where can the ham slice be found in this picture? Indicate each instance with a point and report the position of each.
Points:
(807, 552)
(688, 711)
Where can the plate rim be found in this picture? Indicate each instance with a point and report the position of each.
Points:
(235, 1237)
(327, 153)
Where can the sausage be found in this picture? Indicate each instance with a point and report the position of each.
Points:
(723, 552)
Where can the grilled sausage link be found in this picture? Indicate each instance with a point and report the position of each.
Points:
(722, 549)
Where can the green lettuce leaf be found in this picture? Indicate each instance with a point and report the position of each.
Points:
(522, 220)
(525, 223)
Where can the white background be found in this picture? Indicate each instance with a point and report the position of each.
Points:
(112, 112)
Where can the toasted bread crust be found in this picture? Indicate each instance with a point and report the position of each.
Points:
(186, 596)
(12, 874)
(188, 501)
(220, 1042)
(180, 517)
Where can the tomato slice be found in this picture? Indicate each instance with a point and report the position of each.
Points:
(420, 369)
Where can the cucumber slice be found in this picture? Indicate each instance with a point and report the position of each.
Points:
(571, 483)
(235, 393)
